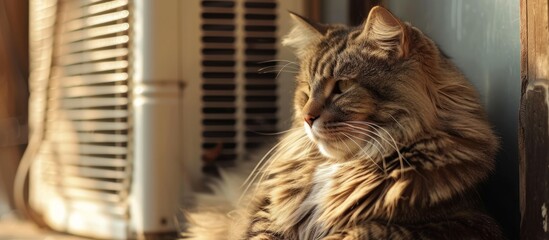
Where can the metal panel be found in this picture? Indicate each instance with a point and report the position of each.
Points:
(156, 36)
(65, 95)
(155, 93)
(105, 100)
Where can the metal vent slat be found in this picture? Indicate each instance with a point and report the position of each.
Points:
(96, 20)
(82, 3)
(87, 206)
(75, 148)
(93, 44)
(45, 21)
(70, 137)
(93, 207)
(80, 182)
(94, 67)
(79, 12)
(87, 102)
(86, 125)
(84, 160)
(89, 79)
(86, 91)
(72, 171)
(79, 193)
(93, 32)
(92, 56)
(90, 114)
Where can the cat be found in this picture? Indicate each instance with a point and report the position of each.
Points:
(389, 140)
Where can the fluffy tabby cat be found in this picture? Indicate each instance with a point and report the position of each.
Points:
(389, 141)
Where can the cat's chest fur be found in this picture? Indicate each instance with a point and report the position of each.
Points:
(309, 209)
(322, 183)
(306, 209)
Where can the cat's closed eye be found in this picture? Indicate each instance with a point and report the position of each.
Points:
(341, 86)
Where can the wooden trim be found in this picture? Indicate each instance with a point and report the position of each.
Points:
(313, 10)
(14, 67)
(534, 120)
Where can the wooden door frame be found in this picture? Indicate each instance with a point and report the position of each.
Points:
(14, 72)
(534, 120)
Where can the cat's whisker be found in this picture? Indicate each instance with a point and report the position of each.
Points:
(257, 169)
(392, 143)
(264, 170)
(289, 63)
(275, 133)
(365, 153)
(367, 133)
(397, 122)
(384, 169)
(273, 68)
(345, 144)
(249, 180)
(256, 172)
(280, 71)
(401, 158)
(369, 143)
(276, 153)
(371, 124)
(276, 69)
(267, 68)
(270, 68)
(283, 69)
(278, 60)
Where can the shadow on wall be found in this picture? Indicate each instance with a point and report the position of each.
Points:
(482, 38)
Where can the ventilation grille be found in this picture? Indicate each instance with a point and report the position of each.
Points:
(219, 78)
(86, 129)
(238, 37)
(260, 88)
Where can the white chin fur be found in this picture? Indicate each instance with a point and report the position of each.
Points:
(309, 131)
(324, 148)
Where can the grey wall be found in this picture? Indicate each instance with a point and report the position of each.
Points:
(335, 11)
(482, 38)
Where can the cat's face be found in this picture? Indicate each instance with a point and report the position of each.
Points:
(357, 86)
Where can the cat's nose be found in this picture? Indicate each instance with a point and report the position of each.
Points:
(310, 119)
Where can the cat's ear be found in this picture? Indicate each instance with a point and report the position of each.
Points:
(303, 33)
(386, 31)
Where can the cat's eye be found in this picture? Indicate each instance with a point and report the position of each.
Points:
(341, 86)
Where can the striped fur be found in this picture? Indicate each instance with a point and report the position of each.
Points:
(398, 143)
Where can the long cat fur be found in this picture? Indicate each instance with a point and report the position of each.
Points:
(399, 144)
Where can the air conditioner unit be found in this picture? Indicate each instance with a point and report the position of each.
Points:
(128, 95)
